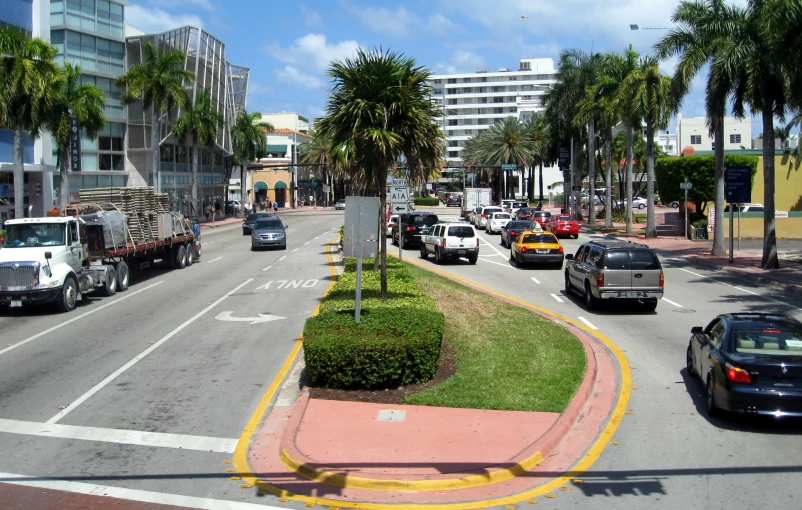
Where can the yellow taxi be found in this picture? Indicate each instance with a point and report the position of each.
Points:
(537, 247)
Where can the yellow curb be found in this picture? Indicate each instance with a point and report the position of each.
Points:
(592, 455)
(445, 484)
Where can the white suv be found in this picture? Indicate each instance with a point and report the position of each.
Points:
(450, 240)
(484, 213)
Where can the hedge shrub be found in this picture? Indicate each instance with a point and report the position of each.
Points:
(700, 170)
(427, 201)
(395, 343)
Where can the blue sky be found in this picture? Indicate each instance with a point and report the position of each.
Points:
(288, 46)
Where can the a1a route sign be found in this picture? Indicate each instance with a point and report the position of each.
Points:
(399, 199)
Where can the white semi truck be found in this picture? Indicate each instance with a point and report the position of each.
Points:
(58, 259)
(475, 197)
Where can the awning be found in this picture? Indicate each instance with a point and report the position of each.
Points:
(279, 185)
(260, 186)
(277, 148)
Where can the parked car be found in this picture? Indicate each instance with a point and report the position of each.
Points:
(484, 213)
(340, 205)
(269, 232)
(512, 230)
(496, 221)
(412, 226)
(450, 240)
(250, 221)
(391, 222)
(615, 270)
(637, 203)
(563, 225)
(537, 247)
(541, 217)
(745, 208)
(749, 363)
(454, 199)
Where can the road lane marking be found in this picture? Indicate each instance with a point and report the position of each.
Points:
(745, 290)
(307, 243)
(265, 269)
(296, 249)
(493, 255)
(102, 384)
(536, 280)
(587, 323)
(156, 498)
(283, 257)
(214, 260)
(79, 317)
(732, 286)
(210, 242)
(498, 263)
(318, 237)
(555, 296)
(120, 436)
(673, 303)
(492, 246)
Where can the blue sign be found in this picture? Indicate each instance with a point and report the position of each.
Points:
(738, 184)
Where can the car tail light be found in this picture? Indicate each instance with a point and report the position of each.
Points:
(484, 216)
(515, 233)
(444, 243)
(738, 375)
(411, 229)
(662, 280)
(560, 249)
(523, 249)
(600, 280)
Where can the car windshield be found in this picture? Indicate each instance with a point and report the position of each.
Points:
(424, 220)
(767, 339)
(33, 235)
(269, 223)
(516, 205)
(563, 218)
(256, 216)
(539, 238)
(518, 225)
(460, 231)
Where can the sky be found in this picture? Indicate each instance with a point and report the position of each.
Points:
(289, 46)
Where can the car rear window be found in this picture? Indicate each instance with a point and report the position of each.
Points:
(564, 218)
(631, 259)
(541, 214)
(501, 216)
(767, 339)
(461, 231)
(617, 259)
(518, 225)
(539, 238)
(424, 220)
(256, 216)
(516, 205)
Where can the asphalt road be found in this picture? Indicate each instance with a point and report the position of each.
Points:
(150, 389)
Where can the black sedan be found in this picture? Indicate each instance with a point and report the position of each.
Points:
(250, 221)
(750, 363)
(525, 213)
(512, 230)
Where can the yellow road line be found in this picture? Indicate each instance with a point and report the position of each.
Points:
(593, 453)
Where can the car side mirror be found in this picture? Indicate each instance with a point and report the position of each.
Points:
(696, 330)
(569, 256)
(48, 255)
(286, 226)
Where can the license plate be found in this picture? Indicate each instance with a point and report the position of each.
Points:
(15, 304)
(461, 252)
(785, 383)
(541, 251)
(632, 294)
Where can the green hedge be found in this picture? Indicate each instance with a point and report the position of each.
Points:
(395, 343)
(700, 170)
(427, 201)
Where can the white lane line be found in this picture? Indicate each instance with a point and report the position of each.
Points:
(491, 245)
(296, 249)
(535, 280)
(79, 317)
(283, 257)
(555, 296)
(587, 323)
(118, 436)
(318, 237)
(672, 303)
(307, 243)
(728, 285)
(745, 290)
(493, 255)
(265, 269)
(207, 244)
(498, 263)
(214, 260)
(151, 497)
(102, 384)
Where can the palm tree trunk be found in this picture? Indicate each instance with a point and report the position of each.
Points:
(19, 172)
(628, 190)
(769, 260)
(194, 189)
(540, 172)
(63, 171)
(242, 174)
(577, 180)
(154, 144)
(719, 248)
(608, 178)
(592, 172)
(651, 227)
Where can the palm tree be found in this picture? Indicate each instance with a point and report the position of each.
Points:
(379, 112)
(201, 122)
(654, 101)
(536, 128)
(248, 142)
(159, 80)
(27, 73)
(506, 143)
(751, 56)
(84, 103)
(702, 25)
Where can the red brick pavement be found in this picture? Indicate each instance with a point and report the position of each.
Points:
(20, 497)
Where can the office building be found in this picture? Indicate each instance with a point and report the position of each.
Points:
(693, 132)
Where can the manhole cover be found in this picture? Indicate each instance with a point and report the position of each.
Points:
(683, 310)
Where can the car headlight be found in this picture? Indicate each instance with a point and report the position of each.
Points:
(254, 234)
(280, 235)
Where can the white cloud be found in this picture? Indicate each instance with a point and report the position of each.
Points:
(312, 51)
(440, 25)
(258, 89)
(461, 62)
(155, 20)
(293, 76)
(395, 23)
(311, 17)
(203, 4)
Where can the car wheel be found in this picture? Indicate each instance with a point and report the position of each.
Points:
(395, 240)
(503, 244)
(472, 259)
(710, 401)
(675, 205)
(284, 246)
(641, 206)
(110, 285)
(512, 255)
(567, 283)
(123, 276)
(650, 305)
(423, 253)
(244, 233)
(253, 247)
(438, 259)
(590, 300)
(69, 295)
(689, 361)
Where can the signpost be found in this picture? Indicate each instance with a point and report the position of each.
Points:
(360, 239)
(738, 189)
(509, 167)
(399, 204)
(686, 185)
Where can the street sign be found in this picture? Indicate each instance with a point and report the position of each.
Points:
(577, 188)
(509, 167)
(399, 208)
(565, 158)
(399, 194)
(399, 181)
(360, 237)
(548, 187)
(738, 184)
(686, 185)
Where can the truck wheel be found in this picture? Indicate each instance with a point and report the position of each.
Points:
(190, 254)
(591, 301)
(438, 259)
(69, 295)
(180, 257)
(423, 253)
(110, 285)
(472, 259)
(123, 276)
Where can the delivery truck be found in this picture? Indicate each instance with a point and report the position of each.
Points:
(474, 198)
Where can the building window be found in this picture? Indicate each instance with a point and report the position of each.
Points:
(498, 89)
(452, 122)
(453, 154)
(498, 99)
(735, 138)
(453, 144)
(670, 149)
(696, 139)
(466, 80)
(498, 110)
(452, 101)
(438, 80)
(483, 100)
(467, 100)
(452, 80)
(467, 90)
(483, 79)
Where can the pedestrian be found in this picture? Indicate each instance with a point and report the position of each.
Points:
(261, 205)
(217, 207)
(214, 210)
(207, 210)
(275, 207)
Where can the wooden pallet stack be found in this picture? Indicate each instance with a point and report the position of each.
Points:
(140, 204)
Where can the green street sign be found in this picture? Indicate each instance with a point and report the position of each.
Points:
(686, 185)
(509, 167)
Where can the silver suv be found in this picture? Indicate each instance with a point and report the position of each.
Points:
(450, 240)
(606, 270)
